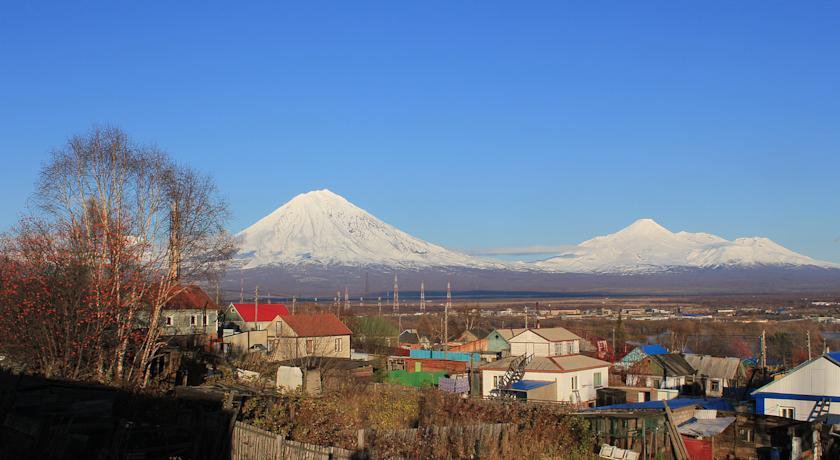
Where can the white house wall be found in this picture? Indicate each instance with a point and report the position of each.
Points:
(801, 389)
(529, 343)
(563, 380)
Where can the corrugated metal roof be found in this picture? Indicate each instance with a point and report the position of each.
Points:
(706, 403)
(553, 364)
(654, 349)
(507, 334)
(714, 366)
(674, 364)
(556, 334)
(317, 325)
(705, 428)
(525, 385)
(264, 312)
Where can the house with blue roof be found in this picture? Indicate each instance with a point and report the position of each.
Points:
(639, 353)
(806, 392)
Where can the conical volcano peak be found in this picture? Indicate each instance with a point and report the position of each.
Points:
(646, 225)
(322, 227)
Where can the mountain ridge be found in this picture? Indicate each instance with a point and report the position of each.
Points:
(323, 228)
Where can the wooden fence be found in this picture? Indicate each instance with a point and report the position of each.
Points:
(252, 443)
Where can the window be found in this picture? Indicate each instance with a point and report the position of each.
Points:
(337, 345)
(597, 379)
(204, 319)
(192, 320)
(310, 346)
(557, 349)
(715, 384)
(745, 434)
(787, 412)
(496, 381)
(657, 383)
(168, 320)
(574, 383)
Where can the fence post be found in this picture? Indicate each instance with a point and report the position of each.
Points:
(360, 439)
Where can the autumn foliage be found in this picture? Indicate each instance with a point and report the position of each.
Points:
(83, 278)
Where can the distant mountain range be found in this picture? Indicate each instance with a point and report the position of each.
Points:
(319, 238)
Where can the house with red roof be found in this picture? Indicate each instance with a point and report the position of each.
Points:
(306, 335)
(189, 311)
(253, 316)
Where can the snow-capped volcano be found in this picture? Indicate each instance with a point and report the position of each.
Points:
(321, 227)
(646, 246)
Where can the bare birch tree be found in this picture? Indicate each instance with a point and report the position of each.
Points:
(134, 226)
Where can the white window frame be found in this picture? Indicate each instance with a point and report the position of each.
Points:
(338, 345)
(169, 320)
(787, 409)
(597, 380)
(193, 320)
(574, 382)
(204, 319)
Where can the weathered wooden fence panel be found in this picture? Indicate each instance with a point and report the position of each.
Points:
(252, 443)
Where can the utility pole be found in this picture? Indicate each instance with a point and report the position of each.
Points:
(446, 319)
(346, 299)
(379, 304)
(396, 295)
(294, 303)
(337, 303)
(241, 290)
(808, 336)
(613, 347)
(256, 307)
(422, 297)
(526, 317)
(763, 349)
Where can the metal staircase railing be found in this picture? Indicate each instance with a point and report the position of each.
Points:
(514, 373)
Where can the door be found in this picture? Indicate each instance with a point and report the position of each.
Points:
(418, 366)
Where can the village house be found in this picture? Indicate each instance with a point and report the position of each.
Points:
(714, 373)
(570, 378)
(251, 316)
(411, 339)
(668, 371)
(190, 311)
(555, 341)
(308, 335)
(639, 353)
(806, 392)
(551, 368)
(469, 336)
(497, 340)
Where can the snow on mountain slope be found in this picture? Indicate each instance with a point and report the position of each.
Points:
(646, 246)
(321, 227)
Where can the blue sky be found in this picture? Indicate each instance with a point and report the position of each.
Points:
(469, 124)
